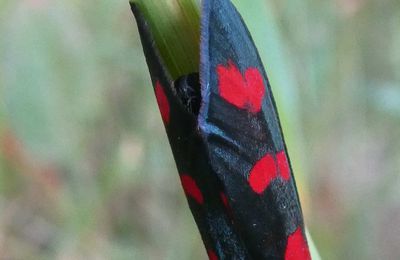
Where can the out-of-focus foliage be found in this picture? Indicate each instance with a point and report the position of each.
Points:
(85, 167)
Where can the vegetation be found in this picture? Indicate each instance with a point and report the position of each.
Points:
(85, 168)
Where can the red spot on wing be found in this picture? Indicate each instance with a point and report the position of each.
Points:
(262, 173)
(246, 91)
(211, 255)
(296, 248)
(191, 189)
(224, 200)
(228, 208)
(283, 165)
(162, 101)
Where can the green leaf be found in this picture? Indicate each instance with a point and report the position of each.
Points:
(175, 25)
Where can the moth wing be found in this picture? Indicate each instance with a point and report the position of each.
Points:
(240, 125)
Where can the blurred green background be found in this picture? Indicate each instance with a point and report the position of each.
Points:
(85, 168)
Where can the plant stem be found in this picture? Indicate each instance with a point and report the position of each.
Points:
(175, 25)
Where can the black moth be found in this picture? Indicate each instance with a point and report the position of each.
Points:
(227, 142)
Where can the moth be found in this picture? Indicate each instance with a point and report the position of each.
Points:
(225, 135)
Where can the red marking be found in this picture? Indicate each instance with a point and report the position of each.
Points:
(191, 189)
(242, 91)
(228, 208)
(283, 165)
(224, 200)
(262, 173)
(162, 101)
(211, 255)
(296, 248)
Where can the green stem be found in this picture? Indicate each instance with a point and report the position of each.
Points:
(175, 25)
